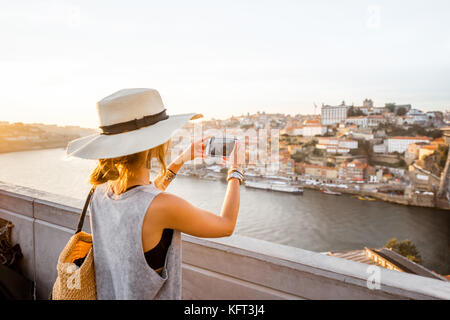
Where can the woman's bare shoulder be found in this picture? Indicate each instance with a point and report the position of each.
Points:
(166, 202)
(163, 208)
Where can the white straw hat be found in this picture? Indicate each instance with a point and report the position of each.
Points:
(131, 121)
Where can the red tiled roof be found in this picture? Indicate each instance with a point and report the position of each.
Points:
(438, 140)
(311, 122)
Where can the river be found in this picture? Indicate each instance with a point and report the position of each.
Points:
(312, 221)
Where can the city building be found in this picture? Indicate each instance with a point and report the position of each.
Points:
(446, 131)
(362, 135)
(348, 143)
(368, 103)
(353, 171)
(435, 118)
(334, 114)
(343, 130)
(447, 117)
(309, 128)
(360, 121)
(400, 144)
(374, 175)
(366, 121)
(313, 128)
(336, 145)
(427, 150)
(412, 153)
(374, 120)
(293, 131)
(377, 110)
(287, 166)
(444, 185)
(317, 171)
(415, 116)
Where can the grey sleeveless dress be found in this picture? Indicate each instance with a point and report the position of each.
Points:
(121, 270)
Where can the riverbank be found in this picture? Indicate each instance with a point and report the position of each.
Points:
(416, 199)
(31, 146)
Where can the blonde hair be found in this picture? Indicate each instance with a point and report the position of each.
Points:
(119, 170)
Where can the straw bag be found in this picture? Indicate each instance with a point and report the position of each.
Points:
(76, 273)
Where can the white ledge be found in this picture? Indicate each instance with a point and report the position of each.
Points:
(235, 267)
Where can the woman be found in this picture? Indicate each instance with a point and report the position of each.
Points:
(136, 226)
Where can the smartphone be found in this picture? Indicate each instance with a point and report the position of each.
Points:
(218, 147)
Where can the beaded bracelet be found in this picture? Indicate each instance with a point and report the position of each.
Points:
(170, 175)
(236, 174)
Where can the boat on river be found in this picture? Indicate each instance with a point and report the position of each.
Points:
(274, 186)
(366, 198)
(335, 193)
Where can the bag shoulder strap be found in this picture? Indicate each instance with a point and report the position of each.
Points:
(83, 213)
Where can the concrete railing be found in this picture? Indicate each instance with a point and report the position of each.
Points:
(227, 268)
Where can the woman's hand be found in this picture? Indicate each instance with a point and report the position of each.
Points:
(195, 150)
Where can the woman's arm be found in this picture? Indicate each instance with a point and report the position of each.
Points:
(195, 150)
(162, 181)
(172, 212)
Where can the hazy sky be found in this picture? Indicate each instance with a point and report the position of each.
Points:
(221, 58)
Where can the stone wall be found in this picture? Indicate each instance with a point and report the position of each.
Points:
(236, 267)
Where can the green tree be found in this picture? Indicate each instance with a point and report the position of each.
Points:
(401, 111)
(390, 106)
(443, 150)
(299, 156)
(364, 148)
(353, 112)
(406, 248)
(318, 152)
(311, 143)
(246, 126)
(402, 164)
(435, 133)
